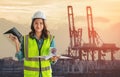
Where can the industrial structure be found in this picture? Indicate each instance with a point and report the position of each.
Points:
(11, 68)
(88, 59)
(84, 51)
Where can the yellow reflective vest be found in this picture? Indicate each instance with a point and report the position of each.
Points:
(36, 67)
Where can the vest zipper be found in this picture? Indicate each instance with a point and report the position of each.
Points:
(40, 72)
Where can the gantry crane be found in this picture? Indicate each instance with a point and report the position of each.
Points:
(95, 44)
(92, 34)
(94, 39)
(75, 35)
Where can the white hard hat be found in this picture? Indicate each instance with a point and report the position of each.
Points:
(39, 14)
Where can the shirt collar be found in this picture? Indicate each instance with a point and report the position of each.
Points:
(36, 38)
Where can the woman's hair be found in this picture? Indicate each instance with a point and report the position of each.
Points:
(44, 31)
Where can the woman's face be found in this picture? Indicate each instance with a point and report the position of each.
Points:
(38, 25)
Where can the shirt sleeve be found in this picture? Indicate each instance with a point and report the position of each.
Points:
(52, 44)
(20, 54)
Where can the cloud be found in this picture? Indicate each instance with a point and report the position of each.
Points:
(23, 5)
(101, 19)
(15, 9)
(112, 34)
(28, 2)
(80, 18)
(115, 29)
(14, 2)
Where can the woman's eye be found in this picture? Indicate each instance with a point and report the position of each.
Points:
(41, 23)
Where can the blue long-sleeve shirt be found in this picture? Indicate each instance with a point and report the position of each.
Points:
(20, 54)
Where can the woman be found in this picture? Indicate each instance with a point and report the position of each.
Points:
(37, 43)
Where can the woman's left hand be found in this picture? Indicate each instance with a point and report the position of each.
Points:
(53, 50)
(55, 58)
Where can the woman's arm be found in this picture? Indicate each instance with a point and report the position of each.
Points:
(16, 41)
(19, 49)
(20, 54)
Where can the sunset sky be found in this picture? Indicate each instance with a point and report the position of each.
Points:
(106, 17)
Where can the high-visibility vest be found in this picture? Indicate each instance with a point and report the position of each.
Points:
(36, 67)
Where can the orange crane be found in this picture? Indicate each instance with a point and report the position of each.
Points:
(94, 48)
(94, 38)
(75, 35)
(92, 34)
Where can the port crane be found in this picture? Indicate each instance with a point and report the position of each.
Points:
(95, 46)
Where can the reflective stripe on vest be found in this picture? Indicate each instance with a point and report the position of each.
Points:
(36, 69)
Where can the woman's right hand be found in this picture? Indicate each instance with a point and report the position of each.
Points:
(13, 38)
